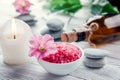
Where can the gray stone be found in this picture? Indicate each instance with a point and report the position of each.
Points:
(94, 63)
(55, 24)
(95, 53)
(55, 34)
(29, 19)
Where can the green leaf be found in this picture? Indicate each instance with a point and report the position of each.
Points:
(96, 9)
(103, 7)
(68, 6)
(73, 8)
(109, 9)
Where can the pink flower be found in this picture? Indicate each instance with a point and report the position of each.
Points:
(22, 6)
(42, 46)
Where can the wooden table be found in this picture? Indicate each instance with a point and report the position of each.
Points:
(33, 70)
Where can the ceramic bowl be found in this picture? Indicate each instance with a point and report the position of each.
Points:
(63, 68)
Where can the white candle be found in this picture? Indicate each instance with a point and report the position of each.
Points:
(14, 40)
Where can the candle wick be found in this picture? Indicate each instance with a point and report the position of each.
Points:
(14, 37)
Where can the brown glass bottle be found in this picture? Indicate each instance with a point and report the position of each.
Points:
(102, 30)
(105, 29)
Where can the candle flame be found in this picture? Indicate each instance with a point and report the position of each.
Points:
(14, 29)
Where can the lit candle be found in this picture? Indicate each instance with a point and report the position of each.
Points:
(14, 30)
(13, 33)
(14, 40)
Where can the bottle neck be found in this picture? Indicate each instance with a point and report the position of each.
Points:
(81, 36)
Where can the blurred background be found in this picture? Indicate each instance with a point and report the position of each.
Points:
(57, 16)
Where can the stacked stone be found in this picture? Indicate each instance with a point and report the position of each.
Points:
(28, 18)
(95, 58)
(55, 28)
(55, 24)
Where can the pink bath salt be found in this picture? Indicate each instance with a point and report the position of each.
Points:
(66, 53)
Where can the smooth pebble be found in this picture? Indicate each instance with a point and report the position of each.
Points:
(55, 24)
(95, 53)
(94, 63)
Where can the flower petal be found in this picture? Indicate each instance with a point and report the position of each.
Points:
(32, 52)
(46, 41)
(47, 38)
(22, 8)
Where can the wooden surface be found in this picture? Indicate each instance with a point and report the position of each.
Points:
(33, 70)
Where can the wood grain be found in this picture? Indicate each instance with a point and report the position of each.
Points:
(108, 72)
(29, 72)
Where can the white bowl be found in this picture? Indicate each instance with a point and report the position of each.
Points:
(63, 68)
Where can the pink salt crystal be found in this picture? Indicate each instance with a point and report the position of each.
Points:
(66, 53)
